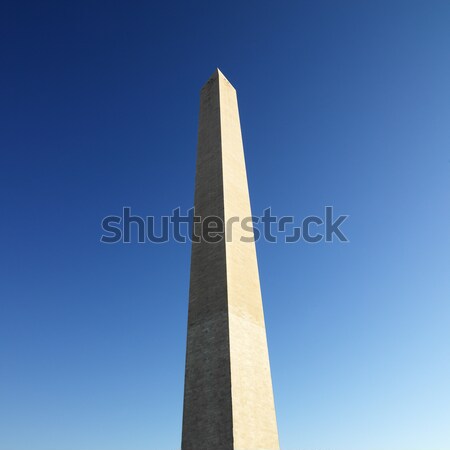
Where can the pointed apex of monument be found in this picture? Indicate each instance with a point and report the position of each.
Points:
(220, 74)
(217, 75)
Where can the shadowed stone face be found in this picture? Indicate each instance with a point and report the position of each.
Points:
(228, 399)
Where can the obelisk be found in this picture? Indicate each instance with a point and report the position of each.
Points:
(228, 397)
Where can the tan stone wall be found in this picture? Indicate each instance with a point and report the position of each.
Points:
(207, 417)
(228, 403)
(254, 421)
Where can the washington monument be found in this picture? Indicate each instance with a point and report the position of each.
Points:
(228, 397)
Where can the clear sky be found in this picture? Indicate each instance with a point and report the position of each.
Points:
(342, 103)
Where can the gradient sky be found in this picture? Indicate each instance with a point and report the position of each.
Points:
(342, 103)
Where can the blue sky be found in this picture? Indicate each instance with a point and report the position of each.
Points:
(342, 103)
